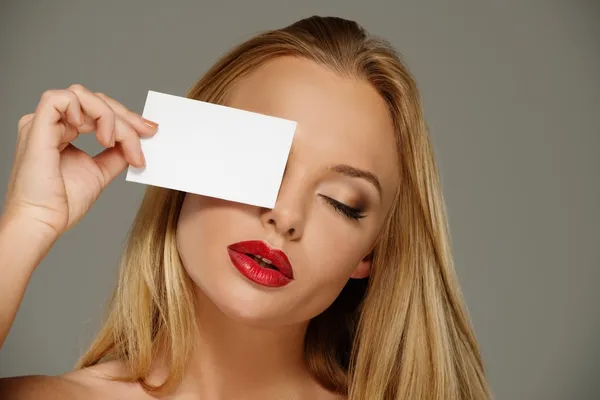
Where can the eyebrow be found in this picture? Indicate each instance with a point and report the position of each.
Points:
(353, 172)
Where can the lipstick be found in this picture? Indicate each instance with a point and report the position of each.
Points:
(260, 263)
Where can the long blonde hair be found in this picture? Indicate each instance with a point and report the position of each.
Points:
(403, 333)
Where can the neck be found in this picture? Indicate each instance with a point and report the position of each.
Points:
(233, 359)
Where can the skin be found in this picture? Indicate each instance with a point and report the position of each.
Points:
(251, 337)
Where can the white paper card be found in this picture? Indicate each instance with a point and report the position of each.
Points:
(214, 150)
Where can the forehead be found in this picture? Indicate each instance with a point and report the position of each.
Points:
(341, 120)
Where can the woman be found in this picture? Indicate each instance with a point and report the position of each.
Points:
(360, 299)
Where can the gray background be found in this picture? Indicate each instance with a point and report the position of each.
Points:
(512, 97)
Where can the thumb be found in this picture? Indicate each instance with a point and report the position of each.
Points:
(110, 164)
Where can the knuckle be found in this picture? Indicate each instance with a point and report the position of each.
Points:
(48, 94)
(77, 87)
(71, 95)
(52, 94)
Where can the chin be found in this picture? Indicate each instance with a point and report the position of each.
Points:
(221, 289)
(248, 303)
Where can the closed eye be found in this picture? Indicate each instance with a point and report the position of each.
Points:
(345, 210)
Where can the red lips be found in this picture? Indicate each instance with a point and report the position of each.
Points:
(277, 270)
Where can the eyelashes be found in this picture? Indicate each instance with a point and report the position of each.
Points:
(349, 212)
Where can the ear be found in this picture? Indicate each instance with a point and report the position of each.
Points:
(363, 268)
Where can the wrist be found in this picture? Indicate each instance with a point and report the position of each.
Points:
(22, 234)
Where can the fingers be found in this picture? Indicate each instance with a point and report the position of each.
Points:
(24, 121)
(144, 127)
(77, 109)
(23, 128)
(111, 163)
(130, 126)
(130, 143)
(54, 106)
(126, 137)
(70, 134)
(102, 114)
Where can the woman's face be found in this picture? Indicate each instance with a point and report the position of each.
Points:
(339, 183)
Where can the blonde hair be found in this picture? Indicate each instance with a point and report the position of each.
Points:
(403, 333)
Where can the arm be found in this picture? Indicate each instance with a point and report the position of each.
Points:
(23, 245)
(40, 203)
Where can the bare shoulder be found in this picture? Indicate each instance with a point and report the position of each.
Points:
(42, 387)
(89, 383)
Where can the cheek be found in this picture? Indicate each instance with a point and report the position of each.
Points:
(195, 221)
(202, 232)
(334, 252)
(335, 246)
(190, 233)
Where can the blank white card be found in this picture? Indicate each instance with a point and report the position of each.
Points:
(214, 150)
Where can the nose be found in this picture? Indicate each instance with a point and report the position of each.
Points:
(287, 218)
(285, 224)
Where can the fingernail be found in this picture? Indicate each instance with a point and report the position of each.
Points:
(142, 159)
(150, 124)
(112, 142)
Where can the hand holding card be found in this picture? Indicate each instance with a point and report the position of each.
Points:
(214, 150)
